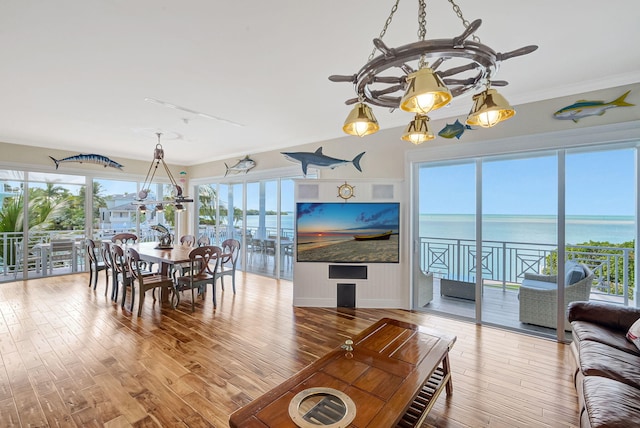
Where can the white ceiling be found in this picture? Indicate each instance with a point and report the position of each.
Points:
(74, 74)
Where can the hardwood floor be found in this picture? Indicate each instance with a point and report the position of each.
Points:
(70, 357)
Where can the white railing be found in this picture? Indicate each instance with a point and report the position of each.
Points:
(506, 263)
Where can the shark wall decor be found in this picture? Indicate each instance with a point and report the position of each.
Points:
(584, 108)
(318, 160)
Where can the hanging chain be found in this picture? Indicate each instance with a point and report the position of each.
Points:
(458, 12)
(384, 29)
(422, 29)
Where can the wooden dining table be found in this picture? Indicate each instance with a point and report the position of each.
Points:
(164, 257)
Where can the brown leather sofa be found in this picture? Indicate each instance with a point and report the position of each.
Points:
(607, 376)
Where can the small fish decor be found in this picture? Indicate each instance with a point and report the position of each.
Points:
(584, 108)
(245, 164)
(90, 158)
(319, 160)
(455, 129)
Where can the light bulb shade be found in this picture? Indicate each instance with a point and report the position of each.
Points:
(489, 108)
(159, 208)
(142, 209)
(418, 130)
(179, 207)
(425, 92)
(361, 121)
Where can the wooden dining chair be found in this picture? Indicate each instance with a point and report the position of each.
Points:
(143, 281)
(96, 264)
(188, 240)
(124, 238)
(230, 255)
(203, 240)
(105, 251)
(204, 263)
(121, 275)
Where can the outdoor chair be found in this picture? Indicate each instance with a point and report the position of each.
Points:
(539, 294)
(33, 259)
(203, 265)
(62, 254)
(230, 255)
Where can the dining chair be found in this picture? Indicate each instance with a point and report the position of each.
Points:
(203, 240)
(188, 240)
(203, 265)
(121, 274)
(124, 238)
(230, 255)
(105, 251)
(95, 264)
(144, 281)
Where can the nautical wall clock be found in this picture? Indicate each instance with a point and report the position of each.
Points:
(345, 191)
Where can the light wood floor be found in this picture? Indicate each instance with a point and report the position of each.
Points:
(70, 357)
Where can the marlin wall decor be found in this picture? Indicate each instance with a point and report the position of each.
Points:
(89, 158)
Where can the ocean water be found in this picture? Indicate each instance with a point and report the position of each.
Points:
(530, 229)
(508, 228)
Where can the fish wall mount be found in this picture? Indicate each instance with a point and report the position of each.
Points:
(88, 158)
(584, 108)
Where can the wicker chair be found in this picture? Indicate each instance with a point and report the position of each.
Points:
(539, 297)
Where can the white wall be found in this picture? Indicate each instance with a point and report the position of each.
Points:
(386, 283)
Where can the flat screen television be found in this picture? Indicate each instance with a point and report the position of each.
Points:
(348, 232)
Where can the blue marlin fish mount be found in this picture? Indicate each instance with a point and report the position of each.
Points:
(90, 158)
(243, 165)
(584, 108)
(318, 160)
(455, 129)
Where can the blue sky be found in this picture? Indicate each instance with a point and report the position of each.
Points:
(598, 183)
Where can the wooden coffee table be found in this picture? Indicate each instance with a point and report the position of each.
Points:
(393, 375)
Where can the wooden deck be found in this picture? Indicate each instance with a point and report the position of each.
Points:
(70, 357)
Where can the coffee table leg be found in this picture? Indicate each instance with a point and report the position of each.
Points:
(447, 372)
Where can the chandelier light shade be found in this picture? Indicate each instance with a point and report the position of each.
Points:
(489, 109)
(425, 92)
(178, 199)
(361, 121)
(418, 130)
(426, 75)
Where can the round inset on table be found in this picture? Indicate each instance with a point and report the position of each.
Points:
(324, 407)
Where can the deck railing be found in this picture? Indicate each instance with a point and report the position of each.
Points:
(505, 263)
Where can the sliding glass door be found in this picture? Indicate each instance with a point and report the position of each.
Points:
(511, 240)
(519, 240)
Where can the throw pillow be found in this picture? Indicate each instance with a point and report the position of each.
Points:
(573, 272)
(634, 333)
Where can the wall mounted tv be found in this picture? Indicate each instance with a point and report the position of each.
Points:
(348, 232)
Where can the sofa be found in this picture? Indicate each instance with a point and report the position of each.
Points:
(539, 294)
(607, 364)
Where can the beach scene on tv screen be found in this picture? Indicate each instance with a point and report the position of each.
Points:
(341, 232)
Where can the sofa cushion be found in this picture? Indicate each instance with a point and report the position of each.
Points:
(539, 285)
(584, 330)
(573, 272)
(634, 334)
(609, 403)
(598, 359)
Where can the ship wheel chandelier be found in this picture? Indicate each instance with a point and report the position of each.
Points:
(446, 68)
(177, 198)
